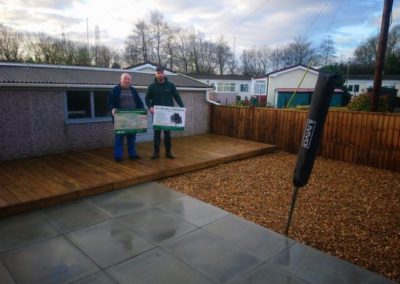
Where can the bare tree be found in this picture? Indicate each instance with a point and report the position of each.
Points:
(159, 32)
(10, 44)
(138, 44)
(263, 60)
(299, 52)
(327, 51)
(223, 54)
(183, 51)
(365, 53)
(276, 59)
(103, 56)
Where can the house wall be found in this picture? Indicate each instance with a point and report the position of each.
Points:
(32, 123)
(230, 96)
(289, 79)
(365, 84)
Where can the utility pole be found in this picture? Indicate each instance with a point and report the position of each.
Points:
(380, 54)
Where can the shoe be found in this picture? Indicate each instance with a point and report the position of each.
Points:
(155, 156)
(169, 155)
(136, 157)
(118, 160)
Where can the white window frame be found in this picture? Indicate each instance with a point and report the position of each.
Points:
(91, 119)
(244, 88)
(226, 87)
(260, 87)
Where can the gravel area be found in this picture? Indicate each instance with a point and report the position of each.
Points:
(346, 210)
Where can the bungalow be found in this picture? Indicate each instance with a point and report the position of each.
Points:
(54, 109)
(283, 83)
(358, 84)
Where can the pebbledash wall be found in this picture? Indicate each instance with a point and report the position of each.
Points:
(33, 123)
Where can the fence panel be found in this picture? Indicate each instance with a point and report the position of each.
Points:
(366, 138)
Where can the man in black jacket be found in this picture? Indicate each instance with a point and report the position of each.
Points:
(162, 93)
(124, 96)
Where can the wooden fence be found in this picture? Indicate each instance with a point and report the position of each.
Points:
(371, 139)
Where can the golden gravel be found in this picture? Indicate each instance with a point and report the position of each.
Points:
(346, 210)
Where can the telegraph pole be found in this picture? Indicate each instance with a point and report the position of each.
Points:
(380, 54)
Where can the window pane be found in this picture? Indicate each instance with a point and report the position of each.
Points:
(244, 88)
(100, 104)
(78, 104)
(356, 88)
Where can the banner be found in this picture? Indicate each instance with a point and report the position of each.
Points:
(130, 121)
(169, 118)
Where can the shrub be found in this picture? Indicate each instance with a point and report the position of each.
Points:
(362, 102)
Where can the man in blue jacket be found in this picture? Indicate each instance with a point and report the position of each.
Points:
(124, 96)
(162, 93)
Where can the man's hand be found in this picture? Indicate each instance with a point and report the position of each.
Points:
(151, 110)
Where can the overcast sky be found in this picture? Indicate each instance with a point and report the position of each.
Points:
(248, 23)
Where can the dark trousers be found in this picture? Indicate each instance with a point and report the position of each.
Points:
(157, 140)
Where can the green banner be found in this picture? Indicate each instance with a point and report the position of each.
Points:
(130, 121)
(168, 128)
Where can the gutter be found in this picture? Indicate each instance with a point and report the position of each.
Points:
(85, 86)
(210, 100)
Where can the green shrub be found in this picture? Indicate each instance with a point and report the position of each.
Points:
(362, 102)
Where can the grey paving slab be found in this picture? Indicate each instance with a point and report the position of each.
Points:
(117, 203)
(74, 215)
(260, 241)
(193, 210)
(156, 225)
(268, 273)
(156, 266)
(109, 243)
(5, 276)
(97, 278)
(154, 193)
(314, 266)
(54, 260)
(24, 229)
(221, 260)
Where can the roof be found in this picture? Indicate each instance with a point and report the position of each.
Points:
(288, 69)
(301, 90)
(221, 77)
(148, 67)
(63, 76)
(371, 77)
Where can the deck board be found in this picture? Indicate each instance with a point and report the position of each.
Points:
(44, 181)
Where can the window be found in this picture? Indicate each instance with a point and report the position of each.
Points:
(259, 87)
(100, 104)
(78, 104)
(350, 88)
(226, 87)
(244, 88)
(356, 88)
(86, 106)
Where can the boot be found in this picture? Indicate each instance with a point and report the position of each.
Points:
(155, 156)
(169, 154)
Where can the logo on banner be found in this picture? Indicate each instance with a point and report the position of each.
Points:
(308, 133)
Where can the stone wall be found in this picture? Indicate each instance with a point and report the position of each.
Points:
(32, 123)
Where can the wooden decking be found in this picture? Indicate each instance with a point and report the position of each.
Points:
(44, 181)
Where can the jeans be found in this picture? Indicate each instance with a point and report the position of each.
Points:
(119, 145)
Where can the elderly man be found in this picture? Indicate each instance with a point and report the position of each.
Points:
(124, 96)
(162, 93)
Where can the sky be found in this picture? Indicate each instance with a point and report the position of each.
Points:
(244, 24)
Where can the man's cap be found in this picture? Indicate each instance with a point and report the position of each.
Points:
(160, 68)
